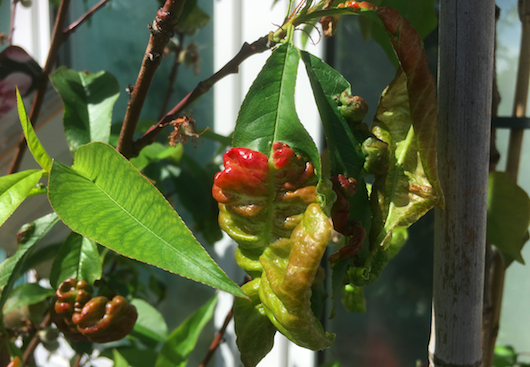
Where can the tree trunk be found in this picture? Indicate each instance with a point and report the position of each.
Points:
(466, 36)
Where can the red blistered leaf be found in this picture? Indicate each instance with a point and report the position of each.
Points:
(246, 173)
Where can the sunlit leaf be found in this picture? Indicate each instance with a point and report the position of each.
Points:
(268, 112)
(104, 198)
(14, 189)
(508, 216)
(34, 144)
(77, 258)
(88, 101)
(178, 346)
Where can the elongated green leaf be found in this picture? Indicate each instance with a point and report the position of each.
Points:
(88, 102)
(346, 157)
(31, 234)
(104, 198)
(27, 294)
(508, 216)
(328, 84)
(178, 346)
(77, 258)
(14, 189)
(268, 112)
(34, 145)
(150, 322)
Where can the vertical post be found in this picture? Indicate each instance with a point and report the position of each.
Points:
(466, 36)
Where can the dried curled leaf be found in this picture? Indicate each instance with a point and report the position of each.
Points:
(270, 207)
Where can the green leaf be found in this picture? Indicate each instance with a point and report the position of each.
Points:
(88, 101)
(508, 216)
(14, 189)
(150, 322)
(254, 330)
(104, 198)
(34, 145)
(328, 84)
(10, 268)
(346, 156)
(119, 360)
(156, 152)
(178, 346)
(27, 294)
(77, 258)
(268, 112)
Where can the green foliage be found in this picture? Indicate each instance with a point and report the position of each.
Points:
(25, 295)
(34, 144)
(178, 346)
(14, 189)
(77, 258)
(150, 323)
(88, 101)
(508, 216)
(138, 222)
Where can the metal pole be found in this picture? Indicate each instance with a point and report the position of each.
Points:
(466, 51)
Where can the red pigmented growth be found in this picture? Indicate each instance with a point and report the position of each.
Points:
(350, 4)
(281, 155)
(246, 172)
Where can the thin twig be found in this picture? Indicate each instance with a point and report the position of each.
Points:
(161, 31)
(35, 341)
(232, 67)
(12, 26)
(57, 40)
(72, 27)
(172, 76)
(217, 339)
(78, 358)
